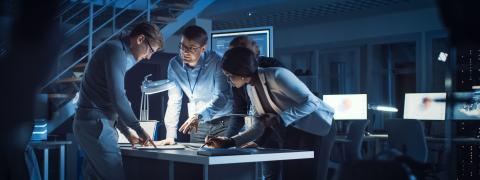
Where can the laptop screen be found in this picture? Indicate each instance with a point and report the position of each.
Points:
(149, 126)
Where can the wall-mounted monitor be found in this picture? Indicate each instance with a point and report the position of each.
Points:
(467, 106)
(424, 106)
(348, 106)
(262, 35)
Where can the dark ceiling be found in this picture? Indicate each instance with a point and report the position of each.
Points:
(229, 14)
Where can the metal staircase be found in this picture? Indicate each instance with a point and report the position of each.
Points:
(88, 25)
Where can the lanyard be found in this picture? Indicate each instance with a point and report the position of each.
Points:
(192, 89)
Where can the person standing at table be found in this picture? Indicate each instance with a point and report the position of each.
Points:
(241, 105)
(198, 75)
(102, 102)
(285, 105)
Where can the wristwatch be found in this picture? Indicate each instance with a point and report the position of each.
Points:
(198, 116)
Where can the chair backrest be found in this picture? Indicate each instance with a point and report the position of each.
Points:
(407, 136)
(355, 133)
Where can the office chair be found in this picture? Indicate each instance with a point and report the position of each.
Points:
(355, 134)
(324, 153)
(407, 136)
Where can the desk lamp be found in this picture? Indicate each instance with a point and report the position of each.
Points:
(149, 87)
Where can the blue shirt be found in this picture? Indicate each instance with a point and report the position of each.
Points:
(205, 85)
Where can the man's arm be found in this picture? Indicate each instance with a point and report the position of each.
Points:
(115, 67)
(240, 106)
(174, 104)
(122, 127)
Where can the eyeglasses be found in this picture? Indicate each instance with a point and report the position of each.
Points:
(188, 49)
(151, 49)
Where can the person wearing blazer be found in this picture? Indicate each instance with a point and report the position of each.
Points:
(285, 106)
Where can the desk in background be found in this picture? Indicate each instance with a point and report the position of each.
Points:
(46, 146)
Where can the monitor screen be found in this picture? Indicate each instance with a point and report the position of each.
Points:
(348, 106)
(465, 110)
(423, 106)
(261, 35)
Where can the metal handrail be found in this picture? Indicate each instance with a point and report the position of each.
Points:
(121, 29)
(83, 39)
(76, 14)
(68, 8)
(99, 45)
(79, 25)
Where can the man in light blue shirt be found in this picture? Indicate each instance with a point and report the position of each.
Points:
(198, 75)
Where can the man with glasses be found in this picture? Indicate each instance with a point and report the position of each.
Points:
(103, 102)
(197, 75)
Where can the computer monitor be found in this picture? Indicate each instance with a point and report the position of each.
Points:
(465, 107)
(423, 106)
(348, 106)
(262, 35)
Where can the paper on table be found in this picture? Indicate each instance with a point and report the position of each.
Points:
(175, 146)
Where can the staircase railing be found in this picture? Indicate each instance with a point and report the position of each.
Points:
(89, 36)
(116, 30)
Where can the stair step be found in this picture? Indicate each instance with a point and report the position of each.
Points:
(81, 65)
(60, 96)
(163, 19)
(69, 80)
(177, 5)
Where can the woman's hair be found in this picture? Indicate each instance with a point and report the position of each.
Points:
(240, 61)
(242, 40)
(150, 31)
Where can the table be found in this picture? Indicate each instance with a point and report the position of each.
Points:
(186, 164)
(45, 146)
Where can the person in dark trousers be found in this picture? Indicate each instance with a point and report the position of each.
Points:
(103, 102)
(197, 75)
(285, 105)
(241, 105)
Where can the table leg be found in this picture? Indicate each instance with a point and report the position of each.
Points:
(62, 162)
(171, 172)
(257, 169)
(205, 172)
(45, 164)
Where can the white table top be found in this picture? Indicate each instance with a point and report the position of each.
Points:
(190, 156)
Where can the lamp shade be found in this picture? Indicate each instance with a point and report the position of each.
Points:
(152, 87)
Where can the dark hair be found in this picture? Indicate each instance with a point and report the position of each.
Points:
(242, 40)
(150, 31)
(195, 33)
(240, 61)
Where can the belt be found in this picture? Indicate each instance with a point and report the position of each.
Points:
(86, 114)
(218, 121)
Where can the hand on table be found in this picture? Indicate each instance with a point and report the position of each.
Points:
(218, 142)
(145, 139)
(167, 141)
